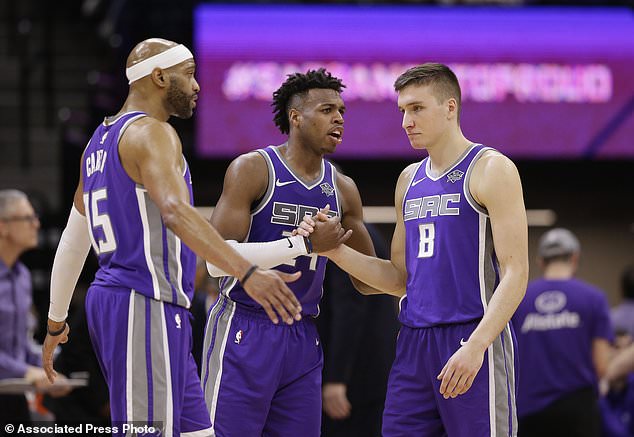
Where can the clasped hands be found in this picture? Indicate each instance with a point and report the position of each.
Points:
(324, 230)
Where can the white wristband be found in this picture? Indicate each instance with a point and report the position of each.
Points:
(70, 257)
(267, 254)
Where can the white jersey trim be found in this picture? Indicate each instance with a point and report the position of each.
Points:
(214, 400)
(179, 274)
(128, 358)
(454, 165)
(309, 187)
(169, 413)
(146, 241)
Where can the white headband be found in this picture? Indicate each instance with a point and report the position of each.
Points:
(166, 59)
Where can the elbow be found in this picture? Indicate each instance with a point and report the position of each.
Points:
(170, 209)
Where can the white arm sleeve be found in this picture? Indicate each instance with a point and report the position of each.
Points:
(69, 261)
(266, 255)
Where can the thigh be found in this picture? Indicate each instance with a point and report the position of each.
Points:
(194, 415)
(490, 402)
(143, 347)
(296, 406)
(410, 404)
(241, 370)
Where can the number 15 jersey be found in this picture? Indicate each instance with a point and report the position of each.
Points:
(452, 270)
(134, 247)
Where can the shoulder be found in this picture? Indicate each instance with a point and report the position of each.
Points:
(406, 176)
(346, 184)
(248, 174)
(494, 178)
(148, 133)
(408, 172)
(150, 126)
(591, 290)
(493, 162)
(248, 163)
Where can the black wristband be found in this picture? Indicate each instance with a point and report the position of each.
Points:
(309, 245)
(56, 333)
(248, 274)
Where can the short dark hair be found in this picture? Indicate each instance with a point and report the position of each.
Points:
(444, 81)
(300, 84)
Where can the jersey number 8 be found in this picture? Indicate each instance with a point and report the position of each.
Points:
(427, 233)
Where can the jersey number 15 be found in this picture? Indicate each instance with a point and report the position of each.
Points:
(99, 220)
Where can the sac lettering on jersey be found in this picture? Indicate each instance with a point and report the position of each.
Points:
(292, 215)
(433, 206)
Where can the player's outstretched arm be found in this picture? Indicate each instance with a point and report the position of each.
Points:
(378, 275)
(495, 184)
(68, 263)
(151, 151)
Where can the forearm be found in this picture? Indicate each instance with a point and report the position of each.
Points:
(265, 254)
(379, 275)
(621, 364)
(202, 238)
(506, 298)
(68, 263)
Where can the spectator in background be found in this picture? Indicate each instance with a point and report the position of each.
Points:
(358, 335)
(623, 314)
(563, 334)
(617, 405)
(18, 233)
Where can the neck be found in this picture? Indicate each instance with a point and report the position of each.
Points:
(559, 271)
(151, 104)
(447, 150)
(303, 160)
(9, 255)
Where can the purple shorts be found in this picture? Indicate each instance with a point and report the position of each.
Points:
(144, 349)
(261, 379)
(414, 405)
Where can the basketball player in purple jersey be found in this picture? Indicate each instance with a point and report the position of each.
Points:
(134, 204)
(261, 379)
(459, 259)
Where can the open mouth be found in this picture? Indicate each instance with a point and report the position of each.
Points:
(337, 135)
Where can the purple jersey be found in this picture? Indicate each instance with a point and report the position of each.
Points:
(134, 248)
(286, 201)
(555, 325)
(451, 264)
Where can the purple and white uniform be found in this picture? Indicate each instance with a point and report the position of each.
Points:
(452, 273)
(556, 324)
(275, 370)
(137, 306)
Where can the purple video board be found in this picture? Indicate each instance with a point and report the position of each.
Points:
(536, 83)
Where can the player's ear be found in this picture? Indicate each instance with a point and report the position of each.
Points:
(159, 77)
(294, 117)
(452, 108)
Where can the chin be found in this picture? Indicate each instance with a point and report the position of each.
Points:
(417, 146)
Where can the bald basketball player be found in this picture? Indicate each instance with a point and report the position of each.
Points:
(133, 204)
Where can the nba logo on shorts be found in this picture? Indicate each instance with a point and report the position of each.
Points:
(238, 337)
(177, 319)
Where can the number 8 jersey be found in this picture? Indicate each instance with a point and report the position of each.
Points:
(451, 263)
(134, 248)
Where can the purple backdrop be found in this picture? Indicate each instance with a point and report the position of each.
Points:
(537, 83)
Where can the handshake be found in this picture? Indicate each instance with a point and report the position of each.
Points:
(323, 232)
